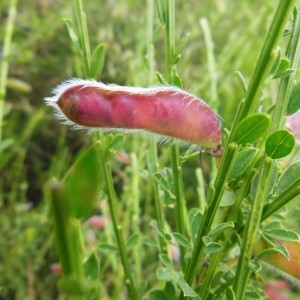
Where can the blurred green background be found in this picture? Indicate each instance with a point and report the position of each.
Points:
(35, 147)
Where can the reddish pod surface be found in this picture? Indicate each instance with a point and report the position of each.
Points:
(167, 111)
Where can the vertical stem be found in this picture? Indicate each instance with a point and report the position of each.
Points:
(153, 167)
(112, 204)
(243, 269)
(66, 234)
(215, 258)
(266, 56)
(6, 56)
(175, 161)
(209, 214)
(83, 36)
(210, 59)
(153, 161)
(286, 83)
(136, 213)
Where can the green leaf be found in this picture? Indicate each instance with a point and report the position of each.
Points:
(5, 144)
(272, 226)
(211, 247)
(81, 185)
(242, 162)
(241, 81)
(115, 143)
(165, 182)
(182, 240)
(132, 241)
(97, 61)
(230, 295)
(165, 260)
(280, 248)
(176, 80)
(275, 63)
(228, 198)
(279, 144)
(282, 235)
(215, 282)
(72, 33)
(294, 101)
(187, 290)
(251, 128)
(161, 78)
(161, 12)
(169, 290)
(182, 43)
(79, 287)
(191, 153)
(164, 274)
(267, 252)
(92, 265)
(107, 248)
(157, 295)
(255, 266)
(195, 224)
(221, 228)
(288, 179)
(282, 68)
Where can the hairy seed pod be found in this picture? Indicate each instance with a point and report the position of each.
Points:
(167, 111)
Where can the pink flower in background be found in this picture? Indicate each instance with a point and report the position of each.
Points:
(293, 125)
(97, 221)
(276, 290)
(56, 269)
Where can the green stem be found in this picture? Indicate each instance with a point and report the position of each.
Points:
(215, 259)
(112, 204)
(83, 36)
(136, 213)
(175, 161)
(210, 59)
(179, 205)
(243, 268)
(209, 214)
(265, 60)
(153, 168)
(152, 158)
(68, 242)
(4, 65)
(286, 83)
(169, 38)
(279, 202)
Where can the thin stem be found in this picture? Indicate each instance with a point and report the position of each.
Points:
(279, 202)
(179, 205)
(243, 269)
(83, 36)
(153, 167)
(4, 65)
(152, 158)
(112, 204)
(136, 212)
(210, 59)
(215, 259)
(265, 59)
(175, 161)
(209, 214)
(286, 83)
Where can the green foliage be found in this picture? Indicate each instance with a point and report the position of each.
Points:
(251, 128)
(294, 100)
(280, 144)
(169, 232)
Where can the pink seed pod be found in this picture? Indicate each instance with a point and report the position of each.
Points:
(167, 111)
